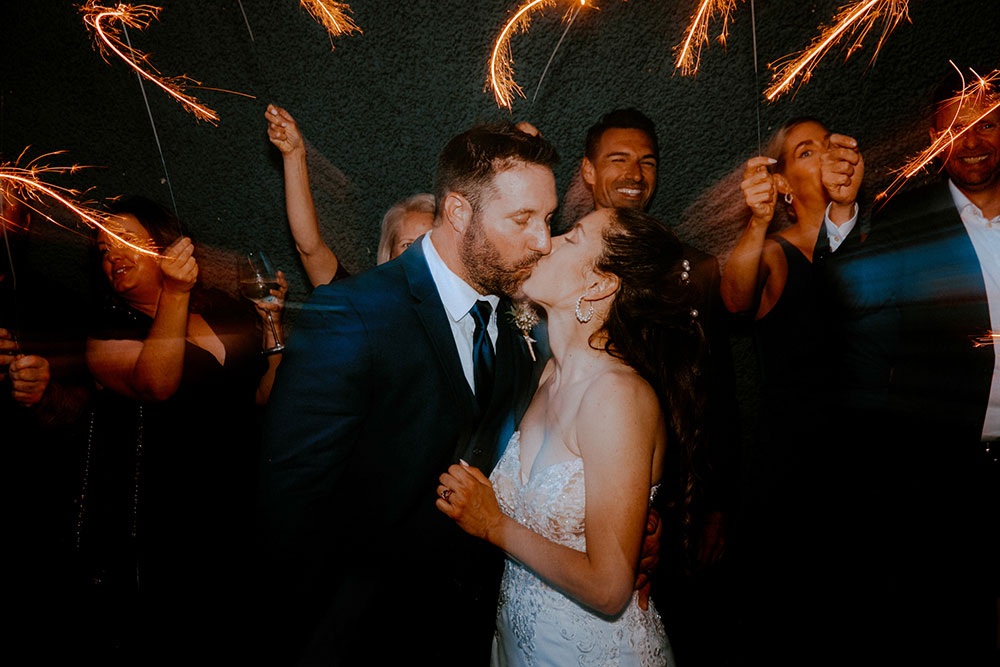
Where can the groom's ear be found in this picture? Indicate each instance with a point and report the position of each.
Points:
(457, 212)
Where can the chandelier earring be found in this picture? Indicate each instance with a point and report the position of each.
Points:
(583, 319)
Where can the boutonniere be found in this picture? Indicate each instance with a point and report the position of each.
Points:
(524, 317)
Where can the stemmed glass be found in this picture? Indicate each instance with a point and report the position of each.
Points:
(257, 278)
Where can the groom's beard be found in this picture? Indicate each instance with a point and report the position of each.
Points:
(486, 268)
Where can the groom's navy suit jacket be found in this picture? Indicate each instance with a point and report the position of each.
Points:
(369, 407)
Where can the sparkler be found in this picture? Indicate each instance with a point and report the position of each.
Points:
(689, 53)
(854, 21)
(982, 94)
(332, 16)
(106, 22)
(988, 338)
(24, 185)
(501, 77)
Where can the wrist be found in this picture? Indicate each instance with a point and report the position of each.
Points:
(839, 213)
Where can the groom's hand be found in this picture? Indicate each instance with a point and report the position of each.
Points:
(650, 556)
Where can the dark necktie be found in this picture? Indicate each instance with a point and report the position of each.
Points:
(483, 357)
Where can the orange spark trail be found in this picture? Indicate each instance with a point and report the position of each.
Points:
(25, 186)
(107, 37)
(333, 16)
(689, 54)
(501, 76)
(983, 93)
(853, 21)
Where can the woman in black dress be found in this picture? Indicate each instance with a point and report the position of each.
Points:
(173, 445)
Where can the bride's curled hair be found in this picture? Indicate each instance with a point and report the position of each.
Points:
(653, 326)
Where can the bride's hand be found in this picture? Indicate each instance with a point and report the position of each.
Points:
(466, 495)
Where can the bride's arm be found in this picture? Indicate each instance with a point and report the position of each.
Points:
(617, 427)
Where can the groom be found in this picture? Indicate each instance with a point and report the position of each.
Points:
(390, 377)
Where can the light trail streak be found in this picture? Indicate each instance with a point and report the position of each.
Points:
(107, 38)
(853, 21)
(501, 76)
(983, 94)
(24, 184)
(333, 16)
(689, 54)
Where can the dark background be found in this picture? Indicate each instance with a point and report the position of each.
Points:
(378, 108)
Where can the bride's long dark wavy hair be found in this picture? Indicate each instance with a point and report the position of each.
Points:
(653, 326)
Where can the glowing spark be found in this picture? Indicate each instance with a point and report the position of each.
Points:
(332, 16)
(23, 184)
(501, 77)
(854, 21)
(689, 54)
(108, 37)
(989, 338)
(983, 93)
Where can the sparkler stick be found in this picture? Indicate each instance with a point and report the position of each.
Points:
(501, 76)
(332, 16)
(982, 94)
(689, 53)
(573, 13)
(105, 23)
(854, 21)
(25, 185)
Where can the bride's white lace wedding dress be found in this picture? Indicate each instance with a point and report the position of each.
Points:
(536, 624)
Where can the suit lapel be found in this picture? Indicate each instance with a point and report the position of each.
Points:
(430, 310)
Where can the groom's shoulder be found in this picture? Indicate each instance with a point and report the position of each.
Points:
(371, 288)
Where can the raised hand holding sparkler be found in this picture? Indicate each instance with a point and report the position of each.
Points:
(842, 170)
(760, 190)
(179, 267)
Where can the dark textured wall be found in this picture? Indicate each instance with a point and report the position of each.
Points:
(378, 108)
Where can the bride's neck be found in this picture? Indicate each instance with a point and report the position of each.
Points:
(570, 341)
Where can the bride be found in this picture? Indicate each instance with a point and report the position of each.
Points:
(568, 500)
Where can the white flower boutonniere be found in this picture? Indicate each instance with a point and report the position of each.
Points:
(524, 317)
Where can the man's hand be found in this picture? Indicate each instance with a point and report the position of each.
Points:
(649, 558)
(841, 171)
(712, 541)
(283, 131)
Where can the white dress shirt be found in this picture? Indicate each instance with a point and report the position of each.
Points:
(837, 233)
(985, 237)
(458, 298)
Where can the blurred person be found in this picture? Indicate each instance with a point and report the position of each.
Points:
(922, 296)
(796, 540)
(174, 444)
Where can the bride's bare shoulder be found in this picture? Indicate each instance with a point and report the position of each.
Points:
(619, 393)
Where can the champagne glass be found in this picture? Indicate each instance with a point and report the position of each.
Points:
(257, 278)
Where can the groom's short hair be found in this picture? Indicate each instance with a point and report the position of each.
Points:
(471, 160)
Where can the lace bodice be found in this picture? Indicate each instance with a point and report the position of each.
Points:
(536, 624)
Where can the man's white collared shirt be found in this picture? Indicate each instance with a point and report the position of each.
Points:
(458, 298)
(837, 233)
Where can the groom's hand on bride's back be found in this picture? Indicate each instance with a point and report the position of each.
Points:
(649, 558)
